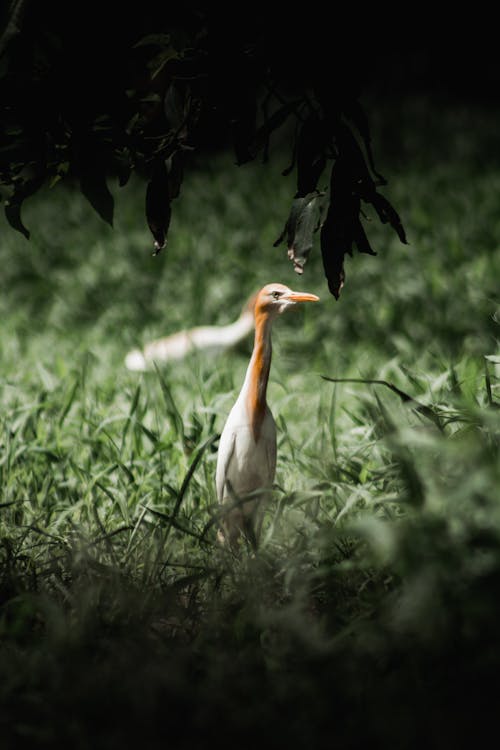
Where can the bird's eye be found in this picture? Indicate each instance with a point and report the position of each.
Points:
(276, 295)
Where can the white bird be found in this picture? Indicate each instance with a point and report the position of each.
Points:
(178, 345)
(246, 460)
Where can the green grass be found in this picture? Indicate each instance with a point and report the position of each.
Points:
(370, 613)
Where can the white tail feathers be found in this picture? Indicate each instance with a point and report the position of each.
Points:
(180, 344)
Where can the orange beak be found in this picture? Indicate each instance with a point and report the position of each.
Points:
(300, 297)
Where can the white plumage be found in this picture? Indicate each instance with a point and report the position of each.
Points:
(179, 345)
(246, 461)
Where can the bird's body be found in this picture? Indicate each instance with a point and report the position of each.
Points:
(179, 345)
(246, 461)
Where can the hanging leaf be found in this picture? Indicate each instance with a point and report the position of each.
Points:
(158, 209)
(272, 123)
(353, 160)
(362, 183)
(341, 227)
(299, 229)
(161, 59)
(334, 244)
(360, 239)
(14, 203)
(387, 213)
(175, 173)
(354, 111)
(174, 105)
(182, 111)
(123, 166)
(311, 154)
(154, 40)
(350, 183)
(13, 216)
(13, 25)
(293, 159)
(94, 187)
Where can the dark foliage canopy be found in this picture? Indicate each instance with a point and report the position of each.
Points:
(86, 96)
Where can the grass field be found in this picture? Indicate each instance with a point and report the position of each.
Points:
(370, 613)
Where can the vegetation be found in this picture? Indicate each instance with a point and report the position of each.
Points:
(138, 93)
(370, 613)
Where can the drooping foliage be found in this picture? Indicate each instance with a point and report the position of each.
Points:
(87, 97)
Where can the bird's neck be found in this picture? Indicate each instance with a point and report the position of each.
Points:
(257, 376)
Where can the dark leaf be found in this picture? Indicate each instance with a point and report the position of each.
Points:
(272, 123)
(362, 184)
(94, 187)
(175, 173)
(350, 182)
(124, 167)
(13, 205)
(299, 229)
(353, 159)
(175, 106)
(342, 225)
(13, 215)
(13, 25)
(182, 110)
(361, 240)
(154, 40)
(158, 62)
(293, 160)
(357, 115)
(311, 154)
(335, 242)
(387, 213)
(158, 209)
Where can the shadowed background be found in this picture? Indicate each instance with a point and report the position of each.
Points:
(370, 613)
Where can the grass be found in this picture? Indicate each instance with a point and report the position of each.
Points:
(370, 613)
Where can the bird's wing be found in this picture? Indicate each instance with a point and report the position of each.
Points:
(225, 454)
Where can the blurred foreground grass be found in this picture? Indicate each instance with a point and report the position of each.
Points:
(370, 614)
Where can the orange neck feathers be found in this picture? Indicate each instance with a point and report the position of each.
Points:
(260, 365)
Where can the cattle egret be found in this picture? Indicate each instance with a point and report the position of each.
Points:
(246, 460)
(180, 344)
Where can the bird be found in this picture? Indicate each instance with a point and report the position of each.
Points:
(179, 345)
(246, 456)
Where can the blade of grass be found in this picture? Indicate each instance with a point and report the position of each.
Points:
(69, 403)
(423, 409)
(489, 393)
(189, 474)
(132, 410)
(172, 521)
(172, 410)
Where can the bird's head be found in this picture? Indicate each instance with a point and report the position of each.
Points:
(274, 299)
